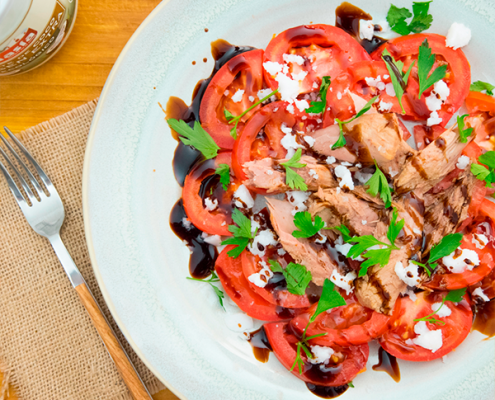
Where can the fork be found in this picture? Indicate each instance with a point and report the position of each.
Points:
(45, 214)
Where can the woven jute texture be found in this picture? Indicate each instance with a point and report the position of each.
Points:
(48, 345)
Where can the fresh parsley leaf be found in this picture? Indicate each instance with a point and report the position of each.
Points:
(375, 257)
(319, 106)
(421, 21)
(296, 276)
(196, 137)
(341, 142)
(479, 86)
(395, 227)
(224, 171)
(488, 159)
(463, 133)
(425, 63)
(213, 279)
(481, 172)
(446, 246)
(399, 79)
(242, 234)
(455, 296)
(350, 384)
(344, 231)
(330, 298)
(232, 119)
(362, 244)
(378, 184)
(292, 178)
(307, 228)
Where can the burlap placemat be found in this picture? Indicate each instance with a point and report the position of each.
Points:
(47, 342)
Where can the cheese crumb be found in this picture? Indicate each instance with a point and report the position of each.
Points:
(262, 277)
(431, 340)
(409, 275)
(479, 293)
(243, 196)
(293, 58)
(290, 108)
(237, 97)
(297, 200)
(389, 89)
(299, 76)
(287, 87)
(479, 240)
(187, 224)
(443, 311)
(262, 93)
(273, 68)
(345, 177)
(310, 140)
(214, 240)
(331, 160)
(460, 260)
(364, 222)
(463, 162)
(321, 354)
(434, 119)
(301, 104)
(384, 106)
(313, 174)
(458, 36)
(261, 241)
(344, 281)
(251, 99)
(366, 29)
(210, 204)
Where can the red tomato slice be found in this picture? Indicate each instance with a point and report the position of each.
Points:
(458, 76)
(229, 270)
(342, 368)
(195, 186)
(326, 50)
(480, 102)
(487, 209)
(487, 285)
(424, 135)
(473, 151)
(242, 72)
(348, 325)
(276, 290)
(453, 281)
(456, 328)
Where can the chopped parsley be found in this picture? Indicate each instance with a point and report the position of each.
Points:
(425, 64)
(398, 77)
(344, 230)
(224, 171)
(378, 184)
(307, 228)
(296, 276)
(242, 234)
(479, 86)
(455, 296)
(292, 178)
(375, 251)
(463, 133)
(232, 119)
(421, 20)
(483, 173)
(445, 247)
(213, 279)
(341, 142)
(319, 106)
(330, 298)
(196, 137)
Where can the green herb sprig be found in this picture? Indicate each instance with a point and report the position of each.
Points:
(396, 17)
(442, 249)
(425, 64)
(196, 137)
(307, 228)
(378, 184)
(242, 234)
(463, 133)
(483, 173)
(224, 171)
(455, 296)
(479, 86)
(292, 178)
(398, 77)
(296, 276)
(319, 106)
(213, 279)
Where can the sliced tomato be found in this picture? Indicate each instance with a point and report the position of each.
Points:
(473, 151)
(344, 365)
(242, 72)
(326, 50)
(351, 324)
(487, 285)
(275, 291)
(201, 183)
(453, 281)
(479, 193)
(424, 135)
(458, 75)
(398, 341)
(229, 270)
(480, 102)
(487, 209)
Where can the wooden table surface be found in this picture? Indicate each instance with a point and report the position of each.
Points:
(75, 75)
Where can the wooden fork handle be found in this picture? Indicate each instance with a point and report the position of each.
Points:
(124, 366)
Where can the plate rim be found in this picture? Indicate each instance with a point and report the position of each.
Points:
(85, 200)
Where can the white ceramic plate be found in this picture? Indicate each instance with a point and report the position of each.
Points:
(175, 325)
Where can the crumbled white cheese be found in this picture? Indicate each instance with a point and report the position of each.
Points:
(344, 281)
(313, 174)
(285, 129)
(273, 68)
(411, 295)
(261, 241)
(431, 340)
(443, 311)
(463, 162)
(364, 222)
(321, 238)
(458, 36)
(262, 93)
(417, 231)
(384, 106)
(290, 108)
(389, 89)
(479, 240)
(239, 322)
(347, 163)
(210, 204)
(438, 95)
(330, 160)
(338, 190)
(441, 89)
(375, 82)
(479, 292)
(386, 76)
(366, 29)
(289, 142)
(287, 87)
(237, 97)
(214, 240)
(187, 224)
(321, 354)
(301, 104)
(345, 176)
(299, 76)
(458, 263)
(262, 277)
(433, 102)
(362, 177)
(281, 252)
(309, 140)
(434, 119)
(293, 58)
(251, 99)
(297, 199)
(226, 93)
(244, 197)
(339, 95)
(315, 85)
(343, 248)
(409, 275)
(254, 225)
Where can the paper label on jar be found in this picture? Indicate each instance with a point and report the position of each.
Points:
(51, 35)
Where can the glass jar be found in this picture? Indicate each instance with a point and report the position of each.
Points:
(32, 31)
